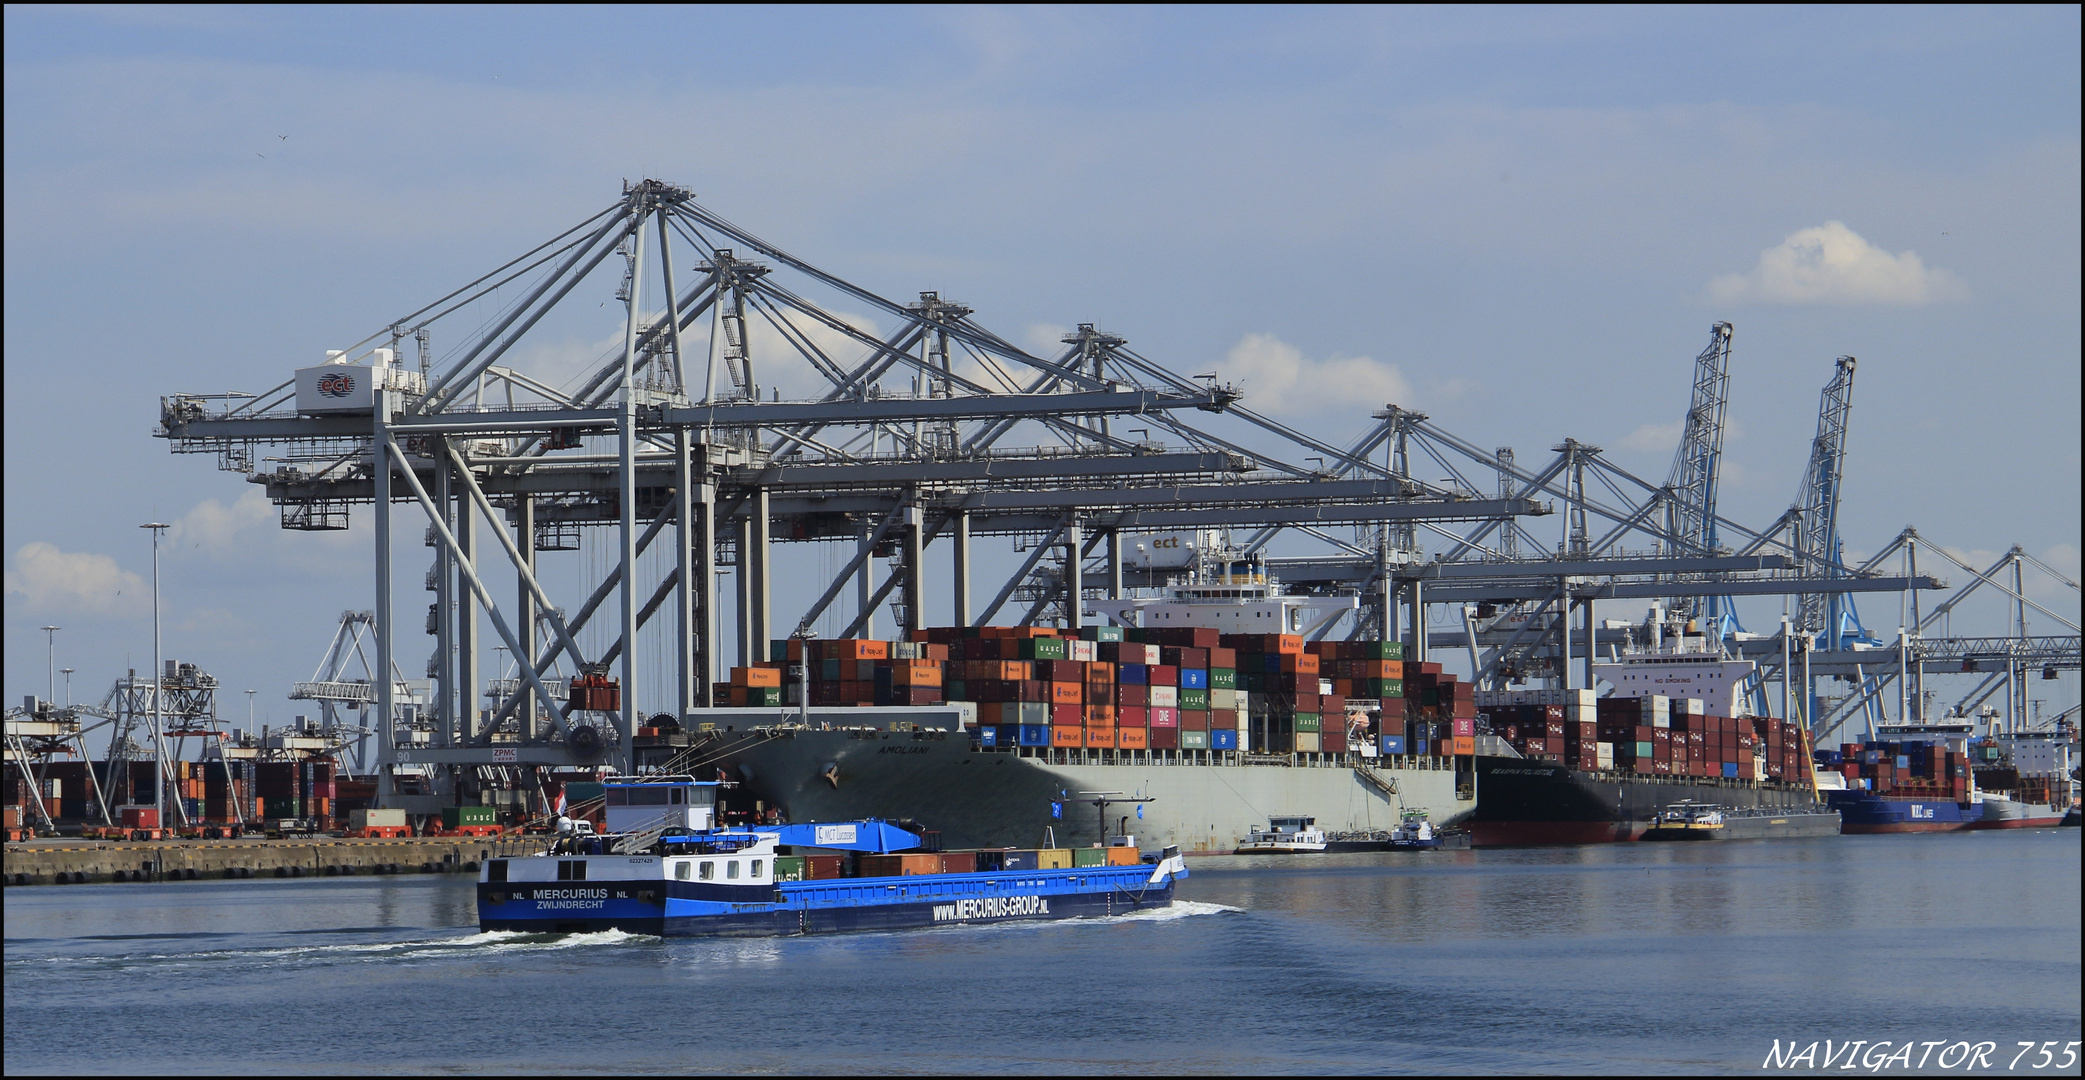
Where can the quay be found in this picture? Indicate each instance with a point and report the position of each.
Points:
(81, 862)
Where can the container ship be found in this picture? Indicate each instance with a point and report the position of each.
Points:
(662, 867)
(1927, 778)
(1604, 774)
(1220, 714)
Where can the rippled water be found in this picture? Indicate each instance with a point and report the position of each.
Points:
(1616, 958)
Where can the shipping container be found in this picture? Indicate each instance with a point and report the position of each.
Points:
(455, 817)
(900, 865)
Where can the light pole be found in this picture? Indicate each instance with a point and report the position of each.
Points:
(67, 672)
(159, 757)
(50, 636)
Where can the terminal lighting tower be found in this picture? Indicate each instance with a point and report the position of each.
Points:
(50, 636)
(159, 764)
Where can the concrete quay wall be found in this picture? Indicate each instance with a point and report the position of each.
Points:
(70, 862)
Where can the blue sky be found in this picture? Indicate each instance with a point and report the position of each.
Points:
(1521, 221)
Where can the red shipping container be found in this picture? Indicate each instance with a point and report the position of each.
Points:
(1185, 658)
(1194, 719)
(1068, 715)
(1162, 675)
(1223, 658)
(1223, 719)
(1165, 738)
(1128, 652)
(1132, 716)
(1128, 694)
(1333, 741)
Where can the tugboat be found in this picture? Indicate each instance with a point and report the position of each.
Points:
(1284, 836)
(1687, 820)
(660, 867)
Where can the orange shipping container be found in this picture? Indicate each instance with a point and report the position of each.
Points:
(1067, 693)
(857, 649)
(1100, 714)
(1299, 663)
(756, 676)
(1067, 736)
(915, 673)
(1100, 738)
(1378, 669)
(1124, 856)
(1132, 738)
(1465, 745)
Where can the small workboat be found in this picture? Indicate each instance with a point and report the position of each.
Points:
(1414, 833)
(1284, 836)
(1687, 820)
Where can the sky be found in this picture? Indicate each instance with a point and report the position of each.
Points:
(1521, 221)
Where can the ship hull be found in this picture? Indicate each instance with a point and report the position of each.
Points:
(984, 798)
(1866, 813)
(2014, 814)
(1533, 803)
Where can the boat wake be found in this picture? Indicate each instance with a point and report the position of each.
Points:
(1180, 909)
(468, 946)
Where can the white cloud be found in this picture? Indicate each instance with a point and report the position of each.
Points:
(1045, 339)
(1652, 439)
(778, 364)
(48, 579)
(215, 527)
(1832, 264)
(1276, 377)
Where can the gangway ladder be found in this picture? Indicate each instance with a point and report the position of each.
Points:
(638, 842)
(1385, 784)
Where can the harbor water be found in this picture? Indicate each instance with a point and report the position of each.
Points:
(1621, 958)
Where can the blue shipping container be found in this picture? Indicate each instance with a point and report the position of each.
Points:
(1393, 744)
(1903, 761)
(1223, 740)
(1132, 675)
(1730, 770)
(1194, 679)
(1035, 734)
(988, 736)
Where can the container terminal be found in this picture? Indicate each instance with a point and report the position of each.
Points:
(1153, 511)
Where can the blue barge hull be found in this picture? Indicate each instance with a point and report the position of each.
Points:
(695, 909)
(1867, 812)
